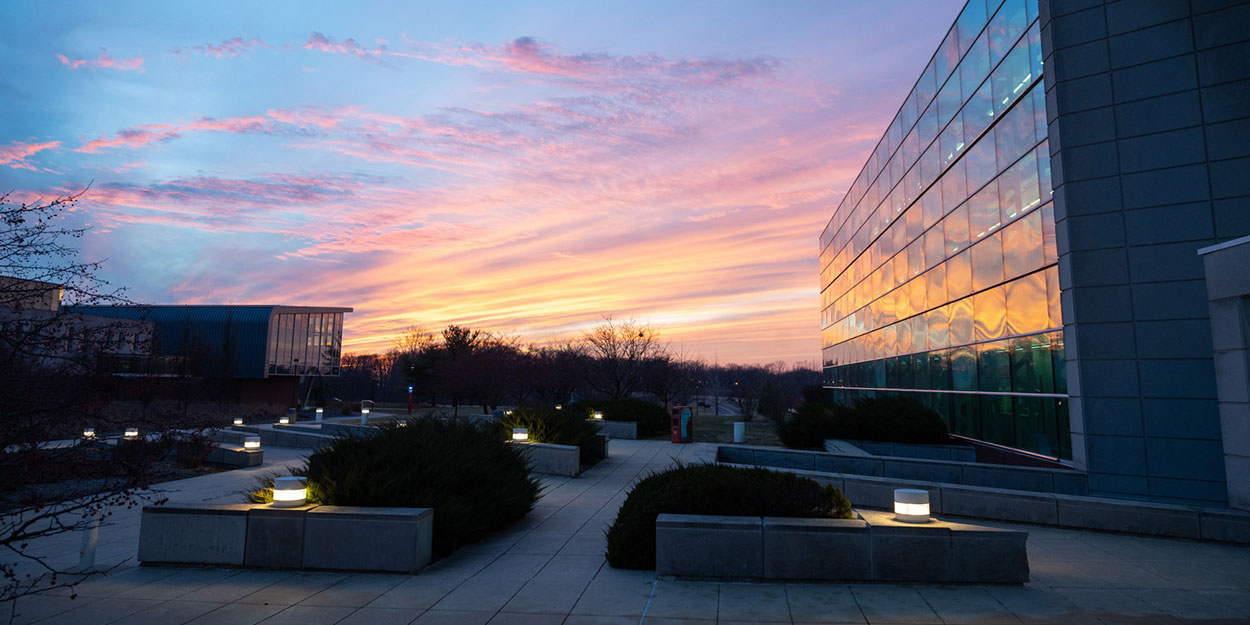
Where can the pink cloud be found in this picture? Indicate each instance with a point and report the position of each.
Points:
(104, 61)
(350, 47)
(232, 47)
(14, 154)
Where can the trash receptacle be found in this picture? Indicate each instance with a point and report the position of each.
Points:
(683, 424)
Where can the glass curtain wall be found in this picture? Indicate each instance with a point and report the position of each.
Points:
(938, 269)
(305, 343)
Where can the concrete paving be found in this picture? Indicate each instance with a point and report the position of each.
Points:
(549, 568)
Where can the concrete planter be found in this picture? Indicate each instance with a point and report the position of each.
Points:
(956, 453)
(236, 457)
(872, 548)
(312, 537)
(621, 429)
(552, 459)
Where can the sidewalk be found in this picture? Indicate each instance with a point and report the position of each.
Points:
(549, 568)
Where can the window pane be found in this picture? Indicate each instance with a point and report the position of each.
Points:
(987, 262)
(960, 321)
(935, 286)
(1022, 247)
(928, 125)
(954, 188)
(1011, 77)
(926, 86)
(939, 334)
(931, 203)
(970, 22)
(915, 221)
(964, 369)
(952, 142)
(1006, 27)
(965, 413)
(959, 275)
(955, 226)
(980, 161)
(1013, 135)
(994, 367)
(975, 66)
(919, 334)
(978, 113)
(1026, 304)
(1035, 425)
(949, 99)
(947, 56)
(1055, 314)
(940, 370)
(930, 165)
(983, 213)
(1050, 253)
(991, 314)
(935, 245)
(1031, 367)
(1017, 188)
(1043, 171)
(918, 292)
(904, 336)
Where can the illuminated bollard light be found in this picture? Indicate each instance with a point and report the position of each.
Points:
(284, 420)
(598, 416)
(238, 420)
(320, 413)
(289, 492)
(131, 433)
(520, 435)
(251, 442)
(911, 505)
(88, 432)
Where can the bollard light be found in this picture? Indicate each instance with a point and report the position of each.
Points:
(289, 492)
(251, 442)
(320, 412)
(364, 415)
(507, 413)
(284, 420)
(598, 416)
(88, 432)
(911, 505)
(131, 433)
(520, 435)
(559, 406)
(238, 420)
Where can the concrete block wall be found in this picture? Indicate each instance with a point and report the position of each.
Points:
(1148, 104)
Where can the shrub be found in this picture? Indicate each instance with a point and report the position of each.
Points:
(810, 426)
(713, 489)
(652, 419)
(886, 418)
(897, 419)
(558, 427)
(191, 449)
(474, 481)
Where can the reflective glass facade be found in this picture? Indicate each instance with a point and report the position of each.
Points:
(305, 343)
(938, 270)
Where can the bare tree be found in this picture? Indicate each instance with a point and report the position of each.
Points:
(618, 352)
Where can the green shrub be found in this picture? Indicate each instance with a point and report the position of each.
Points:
(718, 490)
(897, 419)
(474, 481)
(810, 426)
(558, 427)
(886, 418)
(652, 419)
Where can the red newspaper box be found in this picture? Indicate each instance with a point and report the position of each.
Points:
(683, 424)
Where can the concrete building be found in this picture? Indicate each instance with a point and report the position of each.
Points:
(1021, 251)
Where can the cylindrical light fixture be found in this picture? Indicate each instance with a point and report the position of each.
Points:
(289, 492)
(507, 413)
(740, 431)
(88, 432)
(320, 413)
(131, 433)
(598, 415)
(911, 505)
(364, 415)
(251, 442)
(238, 420)
(284, 420)
(520, 435)
(559, 406)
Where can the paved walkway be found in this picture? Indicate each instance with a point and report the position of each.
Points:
(549, 568)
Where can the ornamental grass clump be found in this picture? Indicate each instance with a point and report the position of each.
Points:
(475, 482)
(716, 490)
(558, 427)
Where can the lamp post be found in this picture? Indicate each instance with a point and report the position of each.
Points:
(409, 399)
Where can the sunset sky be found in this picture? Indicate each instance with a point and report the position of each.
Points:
(520, 167)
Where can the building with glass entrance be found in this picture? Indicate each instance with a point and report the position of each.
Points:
(1020, 251)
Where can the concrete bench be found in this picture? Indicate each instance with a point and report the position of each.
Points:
(232, 456)
(337, 538)
(873, 547)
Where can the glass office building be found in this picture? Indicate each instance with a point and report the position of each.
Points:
(939, 274)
